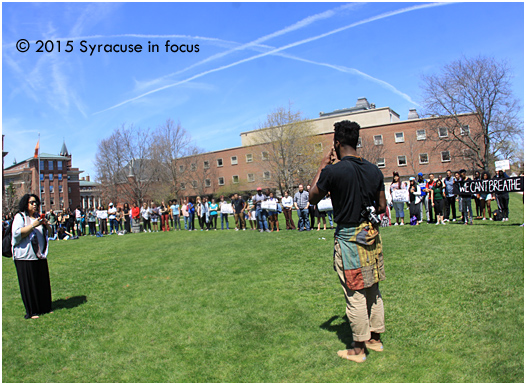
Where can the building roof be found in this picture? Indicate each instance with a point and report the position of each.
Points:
(64, 149)
(85, 183)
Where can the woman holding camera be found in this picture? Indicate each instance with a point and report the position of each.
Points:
(30, 247)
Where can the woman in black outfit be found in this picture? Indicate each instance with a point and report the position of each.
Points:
(30, 246)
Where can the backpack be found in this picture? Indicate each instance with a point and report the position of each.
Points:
(497, 215)
(414, 220)
(385, 221)
(7, 249)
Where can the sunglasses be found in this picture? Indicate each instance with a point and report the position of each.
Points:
(33, 202)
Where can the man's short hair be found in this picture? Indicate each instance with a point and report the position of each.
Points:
(347, 133)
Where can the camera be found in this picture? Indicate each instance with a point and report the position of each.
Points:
(369, 213)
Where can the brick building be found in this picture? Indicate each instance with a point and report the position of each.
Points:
(58, 180)
(408, 147)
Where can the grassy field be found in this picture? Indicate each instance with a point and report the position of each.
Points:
(226, 306)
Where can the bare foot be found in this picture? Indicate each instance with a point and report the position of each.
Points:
(34, 317)
(352, 355)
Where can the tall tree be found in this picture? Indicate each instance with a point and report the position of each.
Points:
(171, 143)
(125, 166)
(482, 88)
(288, 141)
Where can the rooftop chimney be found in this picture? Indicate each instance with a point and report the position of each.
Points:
(412, 114)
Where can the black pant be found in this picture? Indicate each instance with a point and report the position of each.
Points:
(92, 230)
(450, 207)
(503, 203)
(312, 214)
(213, 219)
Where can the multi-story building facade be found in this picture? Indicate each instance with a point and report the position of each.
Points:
(90, 193)
(52, 177)
(408, 147)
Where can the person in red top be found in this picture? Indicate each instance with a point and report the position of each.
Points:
(429, 202)
(136, 214)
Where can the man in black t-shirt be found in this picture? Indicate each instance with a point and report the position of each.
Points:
(239, 212)
(357, 188)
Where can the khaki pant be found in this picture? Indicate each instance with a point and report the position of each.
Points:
(240, 220)
(365, 308)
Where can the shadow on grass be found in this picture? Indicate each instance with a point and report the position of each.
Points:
(69, 302)
(342, 330)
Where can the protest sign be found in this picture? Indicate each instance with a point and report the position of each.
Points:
(502, 165)
(400, 195)
(489, 186)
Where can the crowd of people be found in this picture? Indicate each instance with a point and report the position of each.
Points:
(431, 200)
(437, 196)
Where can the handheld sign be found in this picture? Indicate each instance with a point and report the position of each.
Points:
(502, 165)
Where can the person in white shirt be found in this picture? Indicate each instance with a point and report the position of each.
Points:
(112, 216)
(288, 203)
(102, 216)
(145, 213)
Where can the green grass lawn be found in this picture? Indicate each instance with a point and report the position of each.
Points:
(227, 306)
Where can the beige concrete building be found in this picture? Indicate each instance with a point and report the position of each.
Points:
(364, 113)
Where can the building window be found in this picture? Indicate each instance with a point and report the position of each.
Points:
(464, 130)
(424, 158)
(42, 188)
(208, 183)
(50, 176)
(378, 140)
(51, 201)
(264, 155)
(249, 158)
(70, 202)
(61, 201)
(442, 132)
(59, 165)
(51, 189)
(41, 164)
(380, 162)
(206, 164)
(50, 164)
(41, 176)
(60, 188)
(69, 190)
(235, 179)
(251, 178)
(220, 162)
(420, 134)
(318, 147)
(402, 161)
(399, 137)
(359, 144)
(221, 181)
(181, 168)
(194, 184)
(59, 176)
(233, 160)
(183, 186)
(193, 167)
(446, 157)
(266, 175)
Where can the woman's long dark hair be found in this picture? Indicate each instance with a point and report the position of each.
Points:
(24, 201)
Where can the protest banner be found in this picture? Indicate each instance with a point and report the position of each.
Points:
(489, 186)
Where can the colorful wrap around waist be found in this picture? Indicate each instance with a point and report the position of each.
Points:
(361, 252)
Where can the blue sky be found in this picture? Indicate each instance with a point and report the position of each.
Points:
(253, 57)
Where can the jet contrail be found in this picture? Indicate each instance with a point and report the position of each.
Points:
(276, 50)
